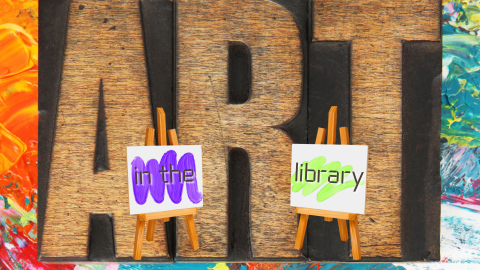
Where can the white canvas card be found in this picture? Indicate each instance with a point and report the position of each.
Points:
(329, 177)
(164, 178)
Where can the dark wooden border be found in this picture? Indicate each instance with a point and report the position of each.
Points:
(52, 33)
(421, 183)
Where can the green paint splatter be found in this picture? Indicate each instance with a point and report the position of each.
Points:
(328, 189)
(23, 217)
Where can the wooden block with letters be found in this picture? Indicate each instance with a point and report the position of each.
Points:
(245, 79)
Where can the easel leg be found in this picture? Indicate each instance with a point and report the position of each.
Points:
(151, 229)
(137, 246)
(342, 227)
(355, 239)
(302, 227)
(192, 234)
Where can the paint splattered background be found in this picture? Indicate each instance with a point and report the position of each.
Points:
(460, 167)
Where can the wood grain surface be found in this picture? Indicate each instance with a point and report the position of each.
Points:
(104, 41)
(204, 29)
(376, 29)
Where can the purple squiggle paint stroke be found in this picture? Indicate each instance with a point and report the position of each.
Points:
(140, 186)
(186, 162)
(157, 187)
(174, 186)
(154, 177)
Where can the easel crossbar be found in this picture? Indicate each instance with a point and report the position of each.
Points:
(325, 213)
(168, 214)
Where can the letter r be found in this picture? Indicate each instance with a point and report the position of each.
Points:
(205, 116)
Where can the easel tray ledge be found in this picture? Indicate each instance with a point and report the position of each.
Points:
(325, 213)
(168, 214)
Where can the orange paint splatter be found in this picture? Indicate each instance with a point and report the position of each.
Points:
(23, 13)
(18, 135)
(18, 114)
(18, 50)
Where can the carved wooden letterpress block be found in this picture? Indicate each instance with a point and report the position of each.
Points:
(245, 79)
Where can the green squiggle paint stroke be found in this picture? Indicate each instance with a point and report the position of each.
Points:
(328, 189)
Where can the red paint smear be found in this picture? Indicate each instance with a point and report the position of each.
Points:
(471, 203)
(460, 199)
(475, 184)
(15, 256)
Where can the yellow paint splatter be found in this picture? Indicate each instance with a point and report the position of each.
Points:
(455, 119)
(219, 266)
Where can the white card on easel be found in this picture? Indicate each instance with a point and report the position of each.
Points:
(329, 177)
(164, 178)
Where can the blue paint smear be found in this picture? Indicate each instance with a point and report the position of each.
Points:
(459, 167)
(287, 266)
(6, 205)
(341, 266)
(175, 266)
(461, 76)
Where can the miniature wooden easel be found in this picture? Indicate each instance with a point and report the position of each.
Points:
(164, 216)
(330, 215)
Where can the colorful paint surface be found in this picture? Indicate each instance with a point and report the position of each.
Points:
(18, 133)
(460, 167)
